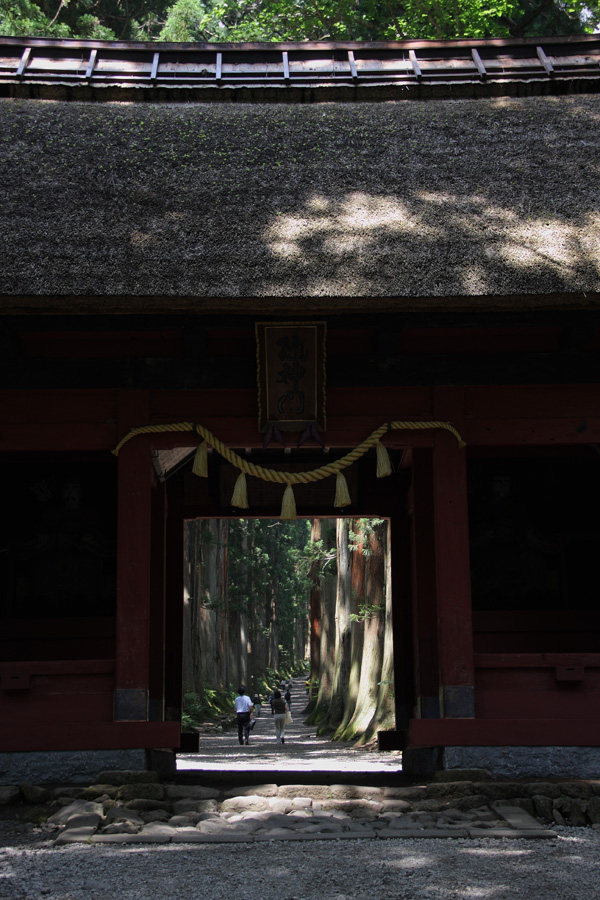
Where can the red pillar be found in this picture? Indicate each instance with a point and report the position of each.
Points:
(157, 600)
(135, 481)
(174, 598)
(453, 577)
(424, 585)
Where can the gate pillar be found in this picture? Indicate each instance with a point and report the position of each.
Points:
(453, 577)
(133, 581)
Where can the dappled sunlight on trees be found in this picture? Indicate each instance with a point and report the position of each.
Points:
(260, 598)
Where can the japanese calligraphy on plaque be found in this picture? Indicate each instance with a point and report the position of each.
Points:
(291, 375)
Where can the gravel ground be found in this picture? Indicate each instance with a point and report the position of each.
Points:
(567, 868)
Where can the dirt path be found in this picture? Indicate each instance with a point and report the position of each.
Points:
(303, 751)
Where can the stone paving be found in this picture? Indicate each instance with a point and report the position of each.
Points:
(157, 813)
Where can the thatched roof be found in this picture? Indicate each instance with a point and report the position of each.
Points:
(467, 199)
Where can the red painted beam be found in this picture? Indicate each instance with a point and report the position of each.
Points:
(530, 401)
(102, 344)
(58, 667)
(58, 406)
(520, 703)
(535, 660)
(533, 430)
(31, 736)
(504, 732)
(382, 402)
(94, 436)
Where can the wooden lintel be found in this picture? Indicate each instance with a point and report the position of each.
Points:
(59, 667)
(30, 736)
(526, 732)
(535, 660)
(523, 432)
(76, 437)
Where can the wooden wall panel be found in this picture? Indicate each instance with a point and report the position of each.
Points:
(66, 639)
(536, 401)
(536, 704)
(55, 699)
(58, 406)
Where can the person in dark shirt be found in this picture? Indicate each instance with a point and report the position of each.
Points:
(280, 709)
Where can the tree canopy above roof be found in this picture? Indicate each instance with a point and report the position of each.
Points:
(295, 20)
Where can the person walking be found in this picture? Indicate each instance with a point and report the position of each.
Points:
(243, 709)
(257, 703)
(288, 698)
(280, 710)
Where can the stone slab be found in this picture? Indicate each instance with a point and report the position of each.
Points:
(76, 835)
(262, 790)
(77, 808)
(511, 833)
(318, 836)
(516, 816)
(188, 837)
(191, 792)
(130, 839)
(422, 833)
(217, 839)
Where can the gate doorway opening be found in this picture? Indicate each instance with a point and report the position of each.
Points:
(303, 607)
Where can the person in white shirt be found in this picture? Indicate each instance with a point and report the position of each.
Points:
(243, 708)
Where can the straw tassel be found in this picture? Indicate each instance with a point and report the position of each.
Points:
(342, 494)
(288, 504)
(240, 493)
(384, 465)
(200, 466)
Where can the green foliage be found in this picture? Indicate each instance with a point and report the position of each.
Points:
(203, 707)
(26, 18)
(360, 539)
(103, 20)
(317, 560)
(373, 20)
(366, 610)
(265, 559)
(296, 20)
